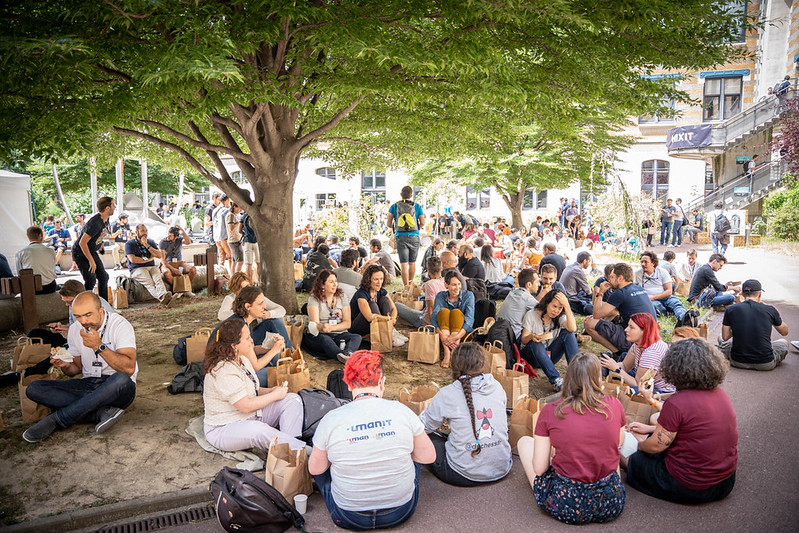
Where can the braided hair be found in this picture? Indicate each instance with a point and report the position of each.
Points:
(467, 362)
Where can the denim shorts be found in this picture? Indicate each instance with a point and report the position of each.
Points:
(407, 248)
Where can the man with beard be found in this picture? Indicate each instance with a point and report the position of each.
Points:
(102, 347)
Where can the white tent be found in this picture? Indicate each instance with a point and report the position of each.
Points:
(15, 213)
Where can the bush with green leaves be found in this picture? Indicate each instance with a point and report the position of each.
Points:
(784, 224)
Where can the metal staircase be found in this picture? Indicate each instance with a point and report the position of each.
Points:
(765, 179)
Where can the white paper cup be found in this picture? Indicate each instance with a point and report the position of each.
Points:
(301, 503)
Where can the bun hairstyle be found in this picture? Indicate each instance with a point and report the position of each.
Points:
(467, 362)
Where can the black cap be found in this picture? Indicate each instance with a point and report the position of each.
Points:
(751, 285)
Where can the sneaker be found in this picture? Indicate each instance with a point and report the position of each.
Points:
(795, 344)
(108, 417)
(117, 267)
(558, 384)
(166, 299)
(57, 270)
(343, 356)
(41, 429)
(9, 378)
(398, 339)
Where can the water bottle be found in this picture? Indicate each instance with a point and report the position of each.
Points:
(342, 344)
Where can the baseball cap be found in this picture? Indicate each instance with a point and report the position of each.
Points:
(751, 285)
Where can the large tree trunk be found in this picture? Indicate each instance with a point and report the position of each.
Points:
(272, 220)
(514, 203)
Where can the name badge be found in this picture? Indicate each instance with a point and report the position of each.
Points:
(96, 369)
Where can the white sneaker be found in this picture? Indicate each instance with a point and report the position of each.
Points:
(558, 383)
(398, 339)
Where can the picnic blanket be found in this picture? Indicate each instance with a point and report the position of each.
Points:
(247, 460)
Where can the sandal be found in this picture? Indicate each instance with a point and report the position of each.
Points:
(445, 364)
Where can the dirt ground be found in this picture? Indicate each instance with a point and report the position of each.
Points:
(149, 452)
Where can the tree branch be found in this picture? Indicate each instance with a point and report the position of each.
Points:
(115, 73)
(332, 123)
(236, 152)
(125, 14)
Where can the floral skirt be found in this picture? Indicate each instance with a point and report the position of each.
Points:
(574, 502)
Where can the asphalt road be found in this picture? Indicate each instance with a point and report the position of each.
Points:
(765, 495)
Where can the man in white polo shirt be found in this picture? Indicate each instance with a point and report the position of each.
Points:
(103, 349)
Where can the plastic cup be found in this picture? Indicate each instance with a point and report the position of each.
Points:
(301, 503)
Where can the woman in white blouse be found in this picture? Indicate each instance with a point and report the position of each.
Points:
(239, 413)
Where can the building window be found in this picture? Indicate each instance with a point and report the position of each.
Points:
(541, 203)
(655, 179)
(373, 186)
(654, 117)
(478, 199)
(528, 200)
(326, 199)
(738, 9)
(373, 180)
(326, 172)
(722, 98)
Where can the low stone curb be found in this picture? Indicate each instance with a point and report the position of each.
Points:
(96, 517)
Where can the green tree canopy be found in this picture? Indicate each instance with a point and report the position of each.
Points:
(384, 82)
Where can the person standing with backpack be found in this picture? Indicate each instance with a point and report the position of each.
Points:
(719, 229)
(405, 218)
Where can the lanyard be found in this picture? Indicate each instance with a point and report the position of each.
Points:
(249, 375)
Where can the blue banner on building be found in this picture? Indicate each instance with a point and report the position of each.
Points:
(692, 136)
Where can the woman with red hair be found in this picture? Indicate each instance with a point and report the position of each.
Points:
(646, 352)
(367, 454)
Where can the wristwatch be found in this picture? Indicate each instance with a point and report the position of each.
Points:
(101, 349)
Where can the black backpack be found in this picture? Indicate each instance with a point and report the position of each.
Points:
(189, 379)
(336, 385)
(503, 331)
(482, 310)
(690, 319)
(179, 351)
(248, 504)
(478, 287)
(722, 223)
(498, 291)
(316, 403)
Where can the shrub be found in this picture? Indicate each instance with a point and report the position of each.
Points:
(784, 224)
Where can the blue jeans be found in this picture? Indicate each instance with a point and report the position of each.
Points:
(535, 353)
(672, 304)
(665, 230)
(78, 400)
(723, 299)
(367, 519)
(271, 325)
(326, 345)
(676, 237)
(718, 246)
(411, 316)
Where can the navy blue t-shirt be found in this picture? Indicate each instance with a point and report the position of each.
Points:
(134, 247)
(630, 300)
(366, 295)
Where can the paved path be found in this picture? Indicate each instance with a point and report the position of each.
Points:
(765, 496)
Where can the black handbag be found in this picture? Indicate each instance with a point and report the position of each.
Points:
(246, 503)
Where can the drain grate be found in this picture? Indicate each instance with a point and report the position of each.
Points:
(198, 514)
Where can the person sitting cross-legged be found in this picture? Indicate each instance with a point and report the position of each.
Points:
(657, 283)
(548, 334)
(626, 299)
(103, 347)
(367, 454)
(691, 455)
(327, 336)
(477, 449)
(580, 482)
(746, 331)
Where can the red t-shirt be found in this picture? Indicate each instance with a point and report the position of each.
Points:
(587, 445)
(705, 450)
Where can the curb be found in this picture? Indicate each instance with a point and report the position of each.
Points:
(97, 517)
